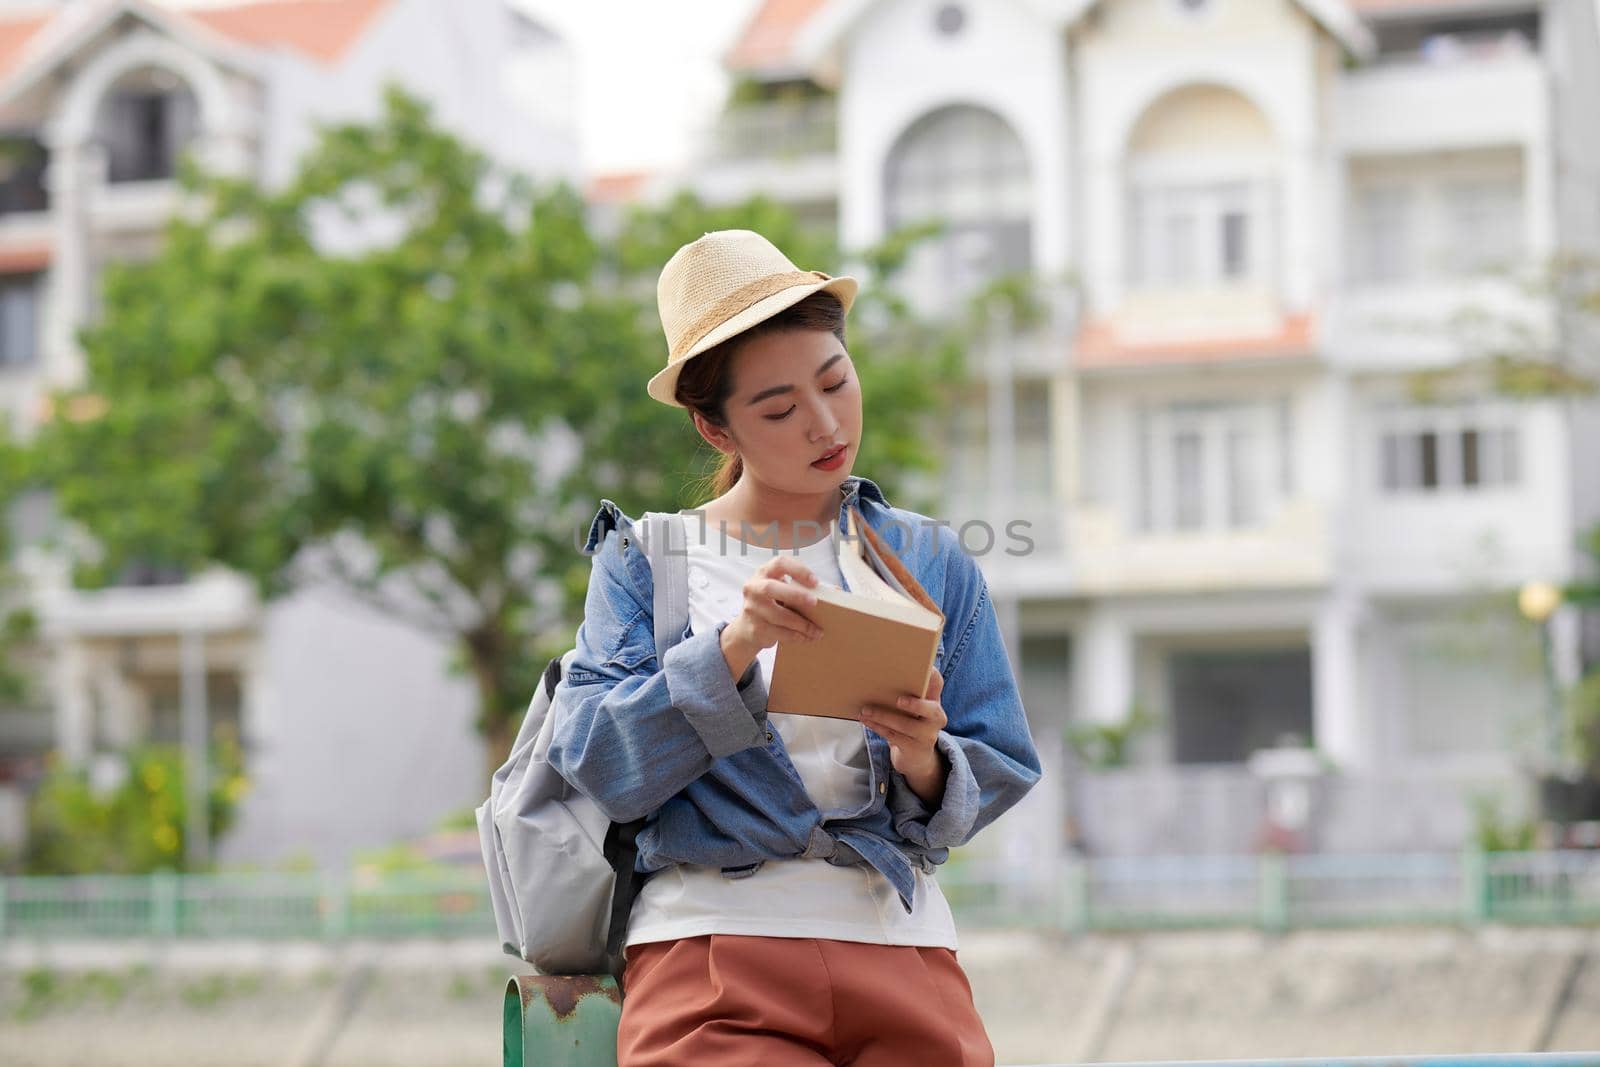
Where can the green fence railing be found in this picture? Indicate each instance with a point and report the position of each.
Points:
(1270, 892)
(245, 905)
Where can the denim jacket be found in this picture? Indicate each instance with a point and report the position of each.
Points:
(681, 743)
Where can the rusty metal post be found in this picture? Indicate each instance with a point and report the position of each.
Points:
(561, 1021)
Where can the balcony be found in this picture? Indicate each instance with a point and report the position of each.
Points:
(214, 601)
(137, 206)
(1290, 549)
(1477, 99)
(786, 150)
(1434, 322)
(782, 130)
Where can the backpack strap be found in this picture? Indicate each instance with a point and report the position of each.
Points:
(667, 547)
(621, 849)
(666, 544)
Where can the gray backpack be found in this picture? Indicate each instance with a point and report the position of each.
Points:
(561, 873)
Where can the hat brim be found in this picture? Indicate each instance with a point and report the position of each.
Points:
(664, 383)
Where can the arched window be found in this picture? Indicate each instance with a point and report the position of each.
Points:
(965, 167)
(146, 121)
(1201, 192)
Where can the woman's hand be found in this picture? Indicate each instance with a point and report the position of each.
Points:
(768, 614)
(911, 728)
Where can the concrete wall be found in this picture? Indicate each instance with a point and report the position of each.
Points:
(362, 736)
(458, 57)
(1043, 998)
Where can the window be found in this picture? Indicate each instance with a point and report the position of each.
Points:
(1213, 466)
(1195, 235)
(1235, 244)
(1459, 37)
(967, 460)
(968, 479)
(1432, 450)
(19, 320)
(145, 124)
(1460, 681)
(1485, 221)
(1032, 447)
(1201, 191)
(164, 693)
(1384, 227)
(964, 167)
(22, 166)
(950, 20)
(1227, 704)
(1436, 216)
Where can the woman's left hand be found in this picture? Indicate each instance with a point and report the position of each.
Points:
(911, 728)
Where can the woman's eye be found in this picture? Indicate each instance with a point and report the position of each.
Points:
(780, 418)
(837, 387)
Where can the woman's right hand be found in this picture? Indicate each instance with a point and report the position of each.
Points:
(769, 614)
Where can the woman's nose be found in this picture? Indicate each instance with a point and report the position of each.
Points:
(823, 424)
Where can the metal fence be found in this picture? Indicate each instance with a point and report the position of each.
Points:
(1275, 892)
(1124, 893)
(246, 905)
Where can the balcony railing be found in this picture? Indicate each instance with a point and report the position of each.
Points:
(775, 131)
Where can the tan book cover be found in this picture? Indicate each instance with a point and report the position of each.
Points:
(878, 641)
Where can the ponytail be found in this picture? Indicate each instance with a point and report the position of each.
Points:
(728, 472)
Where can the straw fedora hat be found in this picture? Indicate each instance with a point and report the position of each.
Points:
(719, 286)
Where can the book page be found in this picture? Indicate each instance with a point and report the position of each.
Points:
(882, 569)
(858, 573)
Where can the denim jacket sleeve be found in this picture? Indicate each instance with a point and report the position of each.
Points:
(629, 732)
(985, 740)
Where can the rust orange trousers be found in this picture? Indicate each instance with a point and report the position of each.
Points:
(724, 999)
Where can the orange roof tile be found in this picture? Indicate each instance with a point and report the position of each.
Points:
(619, 187)
(769, 36)
(15, 34)
(322, 29)
(1098, 346)
(24, 259)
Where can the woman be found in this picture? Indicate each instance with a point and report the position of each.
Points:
(791, 915)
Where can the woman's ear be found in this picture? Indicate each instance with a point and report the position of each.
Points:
(717, 437)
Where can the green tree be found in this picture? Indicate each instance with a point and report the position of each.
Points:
(415, 376)
(18, 625)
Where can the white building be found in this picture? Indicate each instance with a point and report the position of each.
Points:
(1258, 220)
(355, 730)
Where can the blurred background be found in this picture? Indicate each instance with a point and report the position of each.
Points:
(1268, 325)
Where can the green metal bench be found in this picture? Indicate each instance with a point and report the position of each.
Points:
(572, 1022)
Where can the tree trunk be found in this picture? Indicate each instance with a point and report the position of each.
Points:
(486, 646)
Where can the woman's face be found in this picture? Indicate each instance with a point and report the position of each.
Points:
(795, 397)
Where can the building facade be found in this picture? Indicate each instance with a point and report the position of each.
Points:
(1275, 501)
(355, 730)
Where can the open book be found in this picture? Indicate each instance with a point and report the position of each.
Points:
(878, 641)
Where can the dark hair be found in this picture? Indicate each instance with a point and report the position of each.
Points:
(705, 383)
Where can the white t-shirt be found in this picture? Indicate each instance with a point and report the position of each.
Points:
(796, 897)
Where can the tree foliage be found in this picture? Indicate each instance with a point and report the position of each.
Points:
(415, 376)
